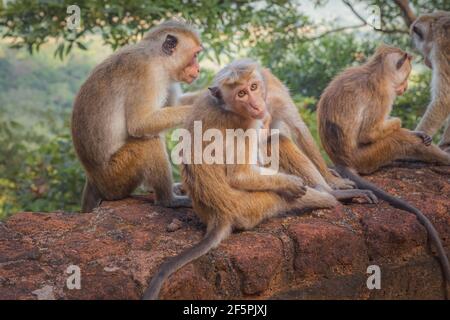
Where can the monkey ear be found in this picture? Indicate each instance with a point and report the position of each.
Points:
(215, 92)
(169, 45)
(402, 61)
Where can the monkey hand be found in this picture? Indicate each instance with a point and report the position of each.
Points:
(426, 139)
(396, 124)
(294, 189)
(266, 121)
(336, 182)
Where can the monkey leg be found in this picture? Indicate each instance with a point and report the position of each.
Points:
(431, 154)
(403, 144)
(305, 141)
(262, 205)
(315, 199)
(445, 141)
(158, 175)
(312, 199)
(123, 173)
(293, 161)
(91, 197)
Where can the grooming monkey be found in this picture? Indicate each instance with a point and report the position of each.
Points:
(237, 101)
(118, 119)
(358, 135)
(431, 36)
(285, 117)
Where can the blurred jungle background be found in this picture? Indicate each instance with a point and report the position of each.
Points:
(43, 63)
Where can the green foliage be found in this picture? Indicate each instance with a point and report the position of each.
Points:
(38, 167)
(38, 174)
(31, 23)
(319, 60)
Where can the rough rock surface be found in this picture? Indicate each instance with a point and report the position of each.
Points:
(322, 254)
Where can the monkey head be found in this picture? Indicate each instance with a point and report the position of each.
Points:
(431, 31)
(241, 89)
(179, 45)
(395, 65)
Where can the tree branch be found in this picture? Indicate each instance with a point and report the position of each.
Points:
(333, 31)
(364, 21)
(405, 8)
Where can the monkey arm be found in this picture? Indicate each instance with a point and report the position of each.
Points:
(435, 116)
(157, 121)
(173, 95)
(189, 98)
(384, 129)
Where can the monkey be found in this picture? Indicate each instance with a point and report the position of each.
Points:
(360, 137)
(236, 101)
(285, 117)
(430, 34)
(118, 119)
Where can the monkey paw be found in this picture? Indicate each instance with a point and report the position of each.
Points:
(426, 139)
(176, 202)
(178, 189)
(338, 183)
(295, 189)
(355, 194)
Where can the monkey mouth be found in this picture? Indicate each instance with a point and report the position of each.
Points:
(257, 113)
(191, 79)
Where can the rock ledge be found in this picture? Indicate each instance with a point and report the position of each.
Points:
(323, 254)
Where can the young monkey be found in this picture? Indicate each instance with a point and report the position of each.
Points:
(285, 117)
(118, 119)
(236, 101)
(359, 136)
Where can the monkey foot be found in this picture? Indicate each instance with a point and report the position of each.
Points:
(348, 195)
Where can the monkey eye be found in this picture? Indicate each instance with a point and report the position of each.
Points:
(418, 32)
(402, 61)
(241, 94)
(253, 87)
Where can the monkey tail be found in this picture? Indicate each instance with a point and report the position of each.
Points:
(170, 266)
(401, 204)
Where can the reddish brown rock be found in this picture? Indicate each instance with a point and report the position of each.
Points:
(323, 254)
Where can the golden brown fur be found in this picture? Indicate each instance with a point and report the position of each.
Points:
(359, 136)
(285, 117)
(431, 35)
(353, 115)
(118, 118)
(234, 196)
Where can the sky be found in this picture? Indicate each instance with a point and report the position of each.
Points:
(334, 10)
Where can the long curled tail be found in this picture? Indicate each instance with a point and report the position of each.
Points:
(211, 241)
(401, 204)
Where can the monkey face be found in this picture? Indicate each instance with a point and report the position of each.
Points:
(191, 69)
(248, 99)
(182, 55)
(429, 29)
(421, 38)
(399, 64)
